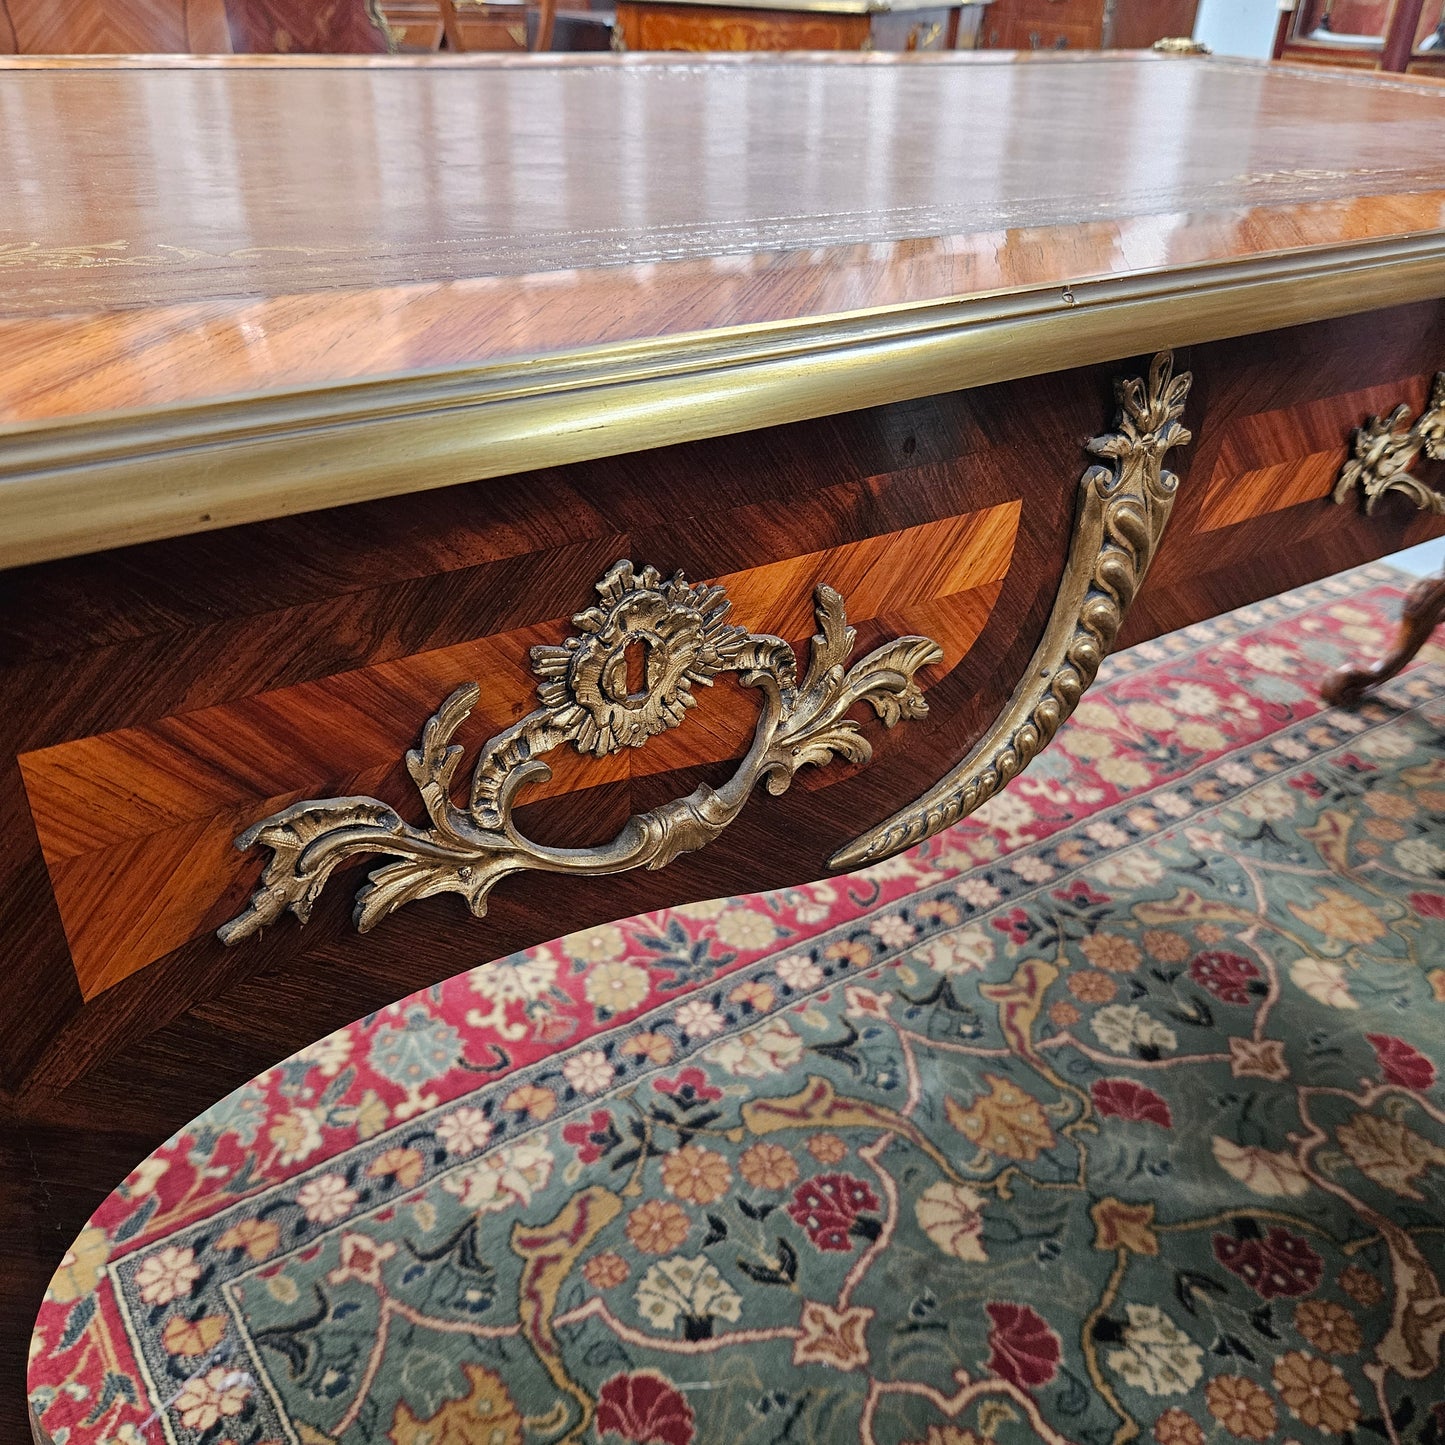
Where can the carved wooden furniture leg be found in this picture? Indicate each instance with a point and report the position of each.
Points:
(541, 39)
(451, 28)
(1424, 611)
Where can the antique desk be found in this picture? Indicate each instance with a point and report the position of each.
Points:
(327, 389)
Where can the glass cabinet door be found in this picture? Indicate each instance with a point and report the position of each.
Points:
(1373, 34)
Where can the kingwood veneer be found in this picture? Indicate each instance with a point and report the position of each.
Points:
(347, 384)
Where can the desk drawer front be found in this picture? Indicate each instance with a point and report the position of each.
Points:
(165, 698)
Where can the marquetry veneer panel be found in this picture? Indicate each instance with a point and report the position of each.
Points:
(96, 27)
(136, 824)
(685, 27)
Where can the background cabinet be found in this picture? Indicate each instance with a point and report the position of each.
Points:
(657, 25)
(112, 27)
(1084, 24)
(692, 25)
(196, 27)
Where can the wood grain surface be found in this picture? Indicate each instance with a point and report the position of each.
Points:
(1137, 24)
(136, 824)
(690, 26)
(653, 26)
(383, 305)
(158, 263)
(202, 27)
(321, 27)
(416, 24)
(97, 27)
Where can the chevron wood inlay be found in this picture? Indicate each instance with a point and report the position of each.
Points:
(202, 27)
(284, 27)
(113, 27)
(136, 825)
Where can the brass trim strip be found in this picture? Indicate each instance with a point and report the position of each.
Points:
(74, 487)
(1123, 510)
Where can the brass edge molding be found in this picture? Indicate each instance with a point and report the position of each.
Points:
(1383, 455)
(675, 637)
(1122, 512)
(73, 487)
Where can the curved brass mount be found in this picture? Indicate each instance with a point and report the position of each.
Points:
(674, 637)
(1384, 455)
(1122, 512)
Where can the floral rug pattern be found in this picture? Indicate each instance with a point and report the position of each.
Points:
(1112, 1113)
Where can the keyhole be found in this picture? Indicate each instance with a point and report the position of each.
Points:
(636, 655)
(624, 677)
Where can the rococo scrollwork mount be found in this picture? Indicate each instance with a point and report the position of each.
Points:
(672, 636)
(1382, 462)
(1122, 512)
(1384, 455)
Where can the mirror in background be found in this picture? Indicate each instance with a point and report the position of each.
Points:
(1369, 34)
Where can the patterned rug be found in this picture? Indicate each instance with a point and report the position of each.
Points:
(1112, 1113)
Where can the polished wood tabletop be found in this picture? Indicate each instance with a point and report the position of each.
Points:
(411, 235)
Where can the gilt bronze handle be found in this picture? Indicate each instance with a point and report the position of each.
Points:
(680, 637)
(1383, 455)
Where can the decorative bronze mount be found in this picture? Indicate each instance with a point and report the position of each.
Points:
(1382, 461)
(677, 637)
(1384, 455)
(1122, 513)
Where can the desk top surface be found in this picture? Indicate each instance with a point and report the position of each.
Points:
(176, 232)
